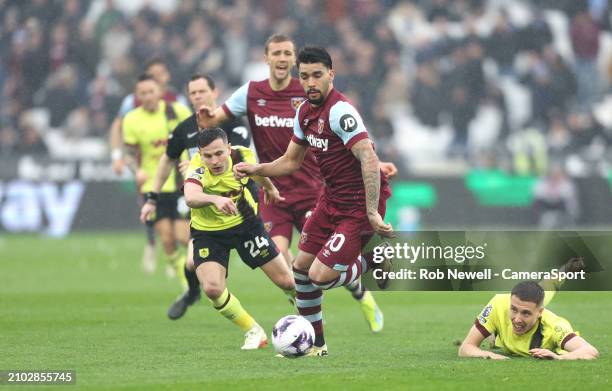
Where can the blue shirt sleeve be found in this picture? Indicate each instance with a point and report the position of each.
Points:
(297, 130)
(127, 105)
(237, 103)
(345, 121)
(182, 99)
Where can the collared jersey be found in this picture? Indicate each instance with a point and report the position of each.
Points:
(495, 319)
(330, 130)
(149, 131)
(209, 218)
(270, 114)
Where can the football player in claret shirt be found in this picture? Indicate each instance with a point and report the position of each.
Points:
(224, 217)
(522, 326)
(270, 107)
(353, 202)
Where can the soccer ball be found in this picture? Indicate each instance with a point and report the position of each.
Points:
(293, 336)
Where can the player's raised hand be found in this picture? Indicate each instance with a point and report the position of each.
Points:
(543, 354)
(146, 213)
(183, 166)
(226, 205)
(272, 196)
(242, 170)
(380, 227)
(388, 169)
(204, 117)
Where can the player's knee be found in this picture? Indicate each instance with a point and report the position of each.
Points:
(286, 282)
(213, 290)
(169, 245)
(316, 275)
(301, 263)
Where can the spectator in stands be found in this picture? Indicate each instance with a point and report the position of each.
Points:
(556, 201)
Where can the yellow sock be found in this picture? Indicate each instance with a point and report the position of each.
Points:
(177, 261)
(229, 306)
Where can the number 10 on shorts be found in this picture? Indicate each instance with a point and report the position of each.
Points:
(335, 241)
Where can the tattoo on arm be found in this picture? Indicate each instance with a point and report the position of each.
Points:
(131, 153)
(370, 170)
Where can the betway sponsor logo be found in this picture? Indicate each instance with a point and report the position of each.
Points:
(321, 143)
(274, 121)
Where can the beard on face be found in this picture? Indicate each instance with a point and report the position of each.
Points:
(316, 101)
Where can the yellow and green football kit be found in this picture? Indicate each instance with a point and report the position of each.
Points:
(149, 131)
(550, 332)
(215, 234)
(209, 218)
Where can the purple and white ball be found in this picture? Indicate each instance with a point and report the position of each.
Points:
(293, 336)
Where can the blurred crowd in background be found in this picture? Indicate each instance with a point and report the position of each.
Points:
(442, 84)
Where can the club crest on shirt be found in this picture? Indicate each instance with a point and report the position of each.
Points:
(296, 102)
(321, 125)
(268, 226)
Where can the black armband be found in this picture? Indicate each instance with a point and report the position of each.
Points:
(152, 197)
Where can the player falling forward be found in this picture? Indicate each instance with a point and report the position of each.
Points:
(270, 106)
(352, 205)
(224, 217)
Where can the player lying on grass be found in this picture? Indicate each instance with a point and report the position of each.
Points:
(523, 327)
(224, 217)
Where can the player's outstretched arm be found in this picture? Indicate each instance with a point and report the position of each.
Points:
(271, 193)
(196, 198)
(370, 170)
(284, 165)
(578, 349)
(209, 118)
(471, 346)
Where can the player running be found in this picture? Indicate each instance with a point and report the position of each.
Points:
(201, 90)
(159, 71)
(224, 217)
(270, 106)
(352, 205)
(145, 133)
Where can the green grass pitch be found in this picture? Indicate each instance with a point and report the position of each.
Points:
(83, 303)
